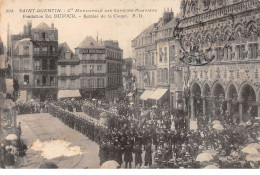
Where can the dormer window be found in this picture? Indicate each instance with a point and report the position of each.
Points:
(67, 55)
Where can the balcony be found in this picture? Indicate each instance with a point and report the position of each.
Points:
(92, 74)
(45, 71)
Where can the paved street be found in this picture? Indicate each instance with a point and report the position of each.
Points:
(47, 128)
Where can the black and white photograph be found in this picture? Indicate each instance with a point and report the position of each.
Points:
(129, 84)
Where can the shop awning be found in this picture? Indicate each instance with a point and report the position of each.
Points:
(22, 97)
(158, 94)
(146, 94)
(68, 94)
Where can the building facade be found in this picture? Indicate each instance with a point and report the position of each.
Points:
(229, 31)
(152, 50)
(34, 60)
(100, 68)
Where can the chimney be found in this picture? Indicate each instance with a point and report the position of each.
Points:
(52, 25)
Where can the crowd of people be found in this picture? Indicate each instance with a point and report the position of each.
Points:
(159, 140)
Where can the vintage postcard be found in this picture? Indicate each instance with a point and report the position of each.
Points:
(130, 84)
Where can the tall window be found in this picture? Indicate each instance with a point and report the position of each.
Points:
(160, 54)
(44, 50)
(37, 65)
(63, 69)
(26, 50)
(219, 53)
(240, 50)
(16, 64)
(91, 69)
(227, 53)
(99, 67)
(172, 75)
(44, 64)
(63, 84)
(253, 48)
(153, 58)
(72, 83)
(91, 83)
(52, 80)
(53, 50)
(52, 65)
(36, 51)
(26, 64)
(72, 70)
(165, 54)
(172, 52)
(84, 69)
(99, 56)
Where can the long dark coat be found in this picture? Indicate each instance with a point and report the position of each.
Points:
(118, 154)
(138, 154)
(148, 155)
(103, 153)
(111, 152)
(128, 156)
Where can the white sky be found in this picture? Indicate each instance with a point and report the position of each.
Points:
(73, 31)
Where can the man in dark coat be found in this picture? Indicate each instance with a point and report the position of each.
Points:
(103, 153)
(138, 155)
(111, 151)
(118, 153)
(128, 156)
(148, 155)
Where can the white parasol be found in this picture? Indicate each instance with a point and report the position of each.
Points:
(211, 151)
(253, 158)
(110, 165)
(254, 145)
(11, 137)
(216, 122)
(250, 150)
(218, 127)
(204, 157)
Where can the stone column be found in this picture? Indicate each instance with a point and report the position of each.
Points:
(258, 109)
(204, 105)
(192, 108)
(240, 108)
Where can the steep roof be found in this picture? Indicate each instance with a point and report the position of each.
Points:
(43, 26)
(65, 47)
(147, 30)
(170, 24)
(89, 42)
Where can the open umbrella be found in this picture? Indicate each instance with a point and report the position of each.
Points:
(250, 150)
(48, 165)
(11, 137)
(211, 167)
(204, 157)
(110, 165)
(254, 145)
(218, 127)
(253, 158)
(211, 151)
(216, 122)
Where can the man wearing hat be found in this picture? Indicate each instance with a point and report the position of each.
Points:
(128, 156)
(148, 155)
(138, 155)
